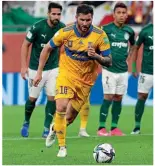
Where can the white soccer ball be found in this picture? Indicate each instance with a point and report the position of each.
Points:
(104, 153)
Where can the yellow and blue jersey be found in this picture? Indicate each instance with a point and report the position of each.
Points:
(74, 61)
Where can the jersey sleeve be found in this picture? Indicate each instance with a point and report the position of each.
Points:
(57, 39)
(132, 38)
(32, 33)
(140, 38)
(106, 29)
(104, 45)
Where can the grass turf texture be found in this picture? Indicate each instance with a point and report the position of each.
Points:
(130, 149)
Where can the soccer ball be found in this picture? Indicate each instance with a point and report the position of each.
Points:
(104, 153)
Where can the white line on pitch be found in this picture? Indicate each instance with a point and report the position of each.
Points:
(71, 137)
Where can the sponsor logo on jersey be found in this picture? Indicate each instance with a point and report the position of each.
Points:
(43, 35)
(151, 37)
(29, 35)
(80, 42)
(151, 48)
(126, 36)
(113, 35)
(106, 40)
(70, 43)
(119, 44)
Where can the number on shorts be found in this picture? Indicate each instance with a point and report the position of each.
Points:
(63, 89)
(142, 79)
(107, 78)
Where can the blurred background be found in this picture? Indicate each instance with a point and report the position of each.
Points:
(18, 16)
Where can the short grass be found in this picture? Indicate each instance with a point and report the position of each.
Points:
(130, 150)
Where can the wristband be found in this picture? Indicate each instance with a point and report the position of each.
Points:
(134, 67)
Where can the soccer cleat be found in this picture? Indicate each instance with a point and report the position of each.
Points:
(45, 134)
(83, 133)
(136, 131)
(116, 132)
(51, 137)
(25, 130)
(62, 152)
(102, 132)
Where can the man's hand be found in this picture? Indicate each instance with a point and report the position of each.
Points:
(91, 51)
(24, 72)
(37, 79)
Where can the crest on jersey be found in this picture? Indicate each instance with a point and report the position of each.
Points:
(70, 43)
(106, 40)
(126, 36)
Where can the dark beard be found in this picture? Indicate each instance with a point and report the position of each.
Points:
(81, 28)
(54, 22)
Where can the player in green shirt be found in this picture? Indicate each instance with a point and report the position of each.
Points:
(39, 34)
(145, 82)
(115, 78)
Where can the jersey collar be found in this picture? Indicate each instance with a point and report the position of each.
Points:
(79, 35)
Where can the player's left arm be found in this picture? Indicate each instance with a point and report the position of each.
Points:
(104, 58)
(132, 42)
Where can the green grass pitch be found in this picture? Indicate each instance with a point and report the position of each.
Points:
(130, 150)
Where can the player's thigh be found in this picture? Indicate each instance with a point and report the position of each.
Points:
(145, 83)
(81, 96)
(108, 82)
(122, 83)
(34, 91)
(50, 84)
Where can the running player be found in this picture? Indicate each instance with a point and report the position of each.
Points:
(86, 46)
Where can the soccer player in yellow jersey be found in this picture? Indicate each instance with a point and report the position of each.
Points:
(86, 46)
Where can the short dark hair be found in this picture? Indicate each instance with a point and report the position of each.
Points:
(54, 5)
(84, 9)
(120, 5)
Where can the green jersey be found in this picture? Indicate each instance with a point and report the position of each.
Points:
(39, 35)
(146, 37)
(119, 38)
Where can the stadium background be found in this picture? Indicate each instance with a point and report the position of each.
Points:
(18, 16)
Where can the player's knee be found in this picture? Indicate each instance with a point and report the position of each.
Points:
(61, 107)
(108, 97)
(32, 99)
(117, 97)
(142, 96)
(69, 120)
(50, 98)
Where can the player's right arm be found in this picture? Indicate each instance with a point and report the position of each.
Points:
(24, 58)
(56, 41)
(30, 38)
(139, 41)
(104, 58)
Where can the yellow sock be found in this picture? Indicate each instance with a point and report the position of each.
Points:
(60, 127)
(84, 112)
